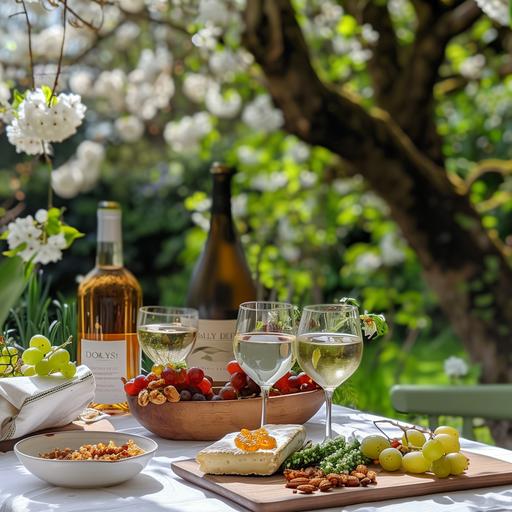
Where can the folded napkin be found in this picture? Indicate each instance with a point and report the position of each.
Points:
(28, 404)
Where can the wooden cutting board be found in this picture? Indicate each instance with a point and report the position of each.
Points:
(268, 493)
(101, 425)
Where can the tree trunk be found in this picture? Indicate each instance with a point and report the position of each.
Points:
(461, 263)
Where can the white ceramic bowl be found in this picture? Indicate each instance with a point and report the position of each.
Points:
(86, 473)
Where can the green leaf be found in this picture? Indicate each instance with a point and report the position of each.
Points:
(71, 234)
(51, 100)
(4, 235)
(12, 284)
(350, 301)
(18, 98)
(13, 252)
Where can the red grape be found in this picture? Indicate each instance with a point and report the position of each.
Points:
(181, 376)
(307, 386)
(130, 388)
(209, 378)
(195, 375)
(282, 384)
(227, 393)
(294, 382)
(304, 378)
(169, 375)
(238, 380)
(205, 386)
(275, 392)
(140, 383)
(233, 367)
(252, 386)
(151, 377)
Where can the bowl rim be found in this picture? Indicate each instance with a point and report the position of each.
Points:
(302, 393)
(150, 452)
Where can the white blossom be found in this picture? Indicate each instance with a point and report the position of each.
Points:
(225, 63)
(498, 10)
(23, 231)
(81, 82)
(48, 42)
(41, 216)
(368, 33)
(111, 86)
(195, 86)
(391, 252)
(247, 155)
(132, 6)
(80, 173)
(144, 99)
(207, 37)
(129, 128)
(367, 262)
(307, 178)
(37, 121)
(455, 367)
(126, 34)
(215, 12)
(184, 135)
(225, 105)
(51, 251)
(270, 182)
(261, 115)
(299, 151)
(472, 67)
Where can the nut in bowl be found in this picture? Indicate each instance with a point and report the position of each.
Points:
(66, 459)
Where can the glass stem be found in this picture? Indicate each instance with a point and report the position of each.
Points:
(328, 408)
(264, 395)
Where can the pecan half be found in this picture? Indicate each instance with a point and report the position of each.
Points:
(358, 475)
(352, 481)
(325, 485)
(306, 489)
(361, 468)
(156, 397)
(316, 481)
(372, 475)
(143, 398)
(172, 394)
(365, 481)
(155, 384)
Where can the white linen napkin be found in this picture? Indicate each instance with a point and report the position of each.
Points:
(28, 404)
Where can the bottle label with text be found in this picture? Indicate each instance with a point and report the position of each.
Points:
(213, 348)
(107, 361)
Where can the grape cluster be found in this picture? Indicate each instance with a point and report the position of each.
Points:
(440, 454)
(41, 358)
(240, 385)
(192, 384)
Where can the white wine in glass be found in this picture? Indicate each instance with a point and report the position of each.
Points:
(167, 334)
(329, 347)
(263, 344)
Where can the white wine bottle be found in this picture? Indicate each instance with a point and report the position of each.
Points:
(221, 281)
(109, 298)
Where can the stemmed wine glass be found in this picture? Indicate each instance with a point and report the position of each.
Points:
(265, 332)
(167, 334)
(329, 347)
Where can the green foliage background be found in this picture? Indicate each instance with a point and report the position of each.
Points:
(311, 234)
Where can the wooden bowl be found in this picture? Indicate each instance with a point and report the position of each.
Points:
(209, 421)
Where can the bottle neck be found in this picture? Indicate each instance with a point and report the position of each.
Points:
(221, 220)
(109, 252)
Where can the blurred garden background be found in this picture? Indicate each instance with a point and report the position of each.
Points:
(171, 86)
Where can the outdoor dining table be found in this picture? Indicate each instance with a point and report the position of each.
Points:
(158, 489)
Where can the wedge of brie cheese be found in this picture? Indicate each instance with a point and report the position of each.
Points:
(224, 458)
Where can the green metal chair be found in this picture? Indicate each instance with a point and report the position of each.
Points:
(488, 401)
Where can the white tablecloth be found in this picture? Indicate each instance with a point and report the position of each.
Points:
(158, 489)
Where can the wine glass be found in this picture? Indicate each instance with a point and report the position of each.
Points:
(264, 335)
(329, 347)
(167, 334)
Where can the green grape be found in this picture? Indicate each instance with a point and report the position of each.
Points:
(43, 367)
(445, 429)
(59, 358)
(441, 467)
(371, 446)
(433, 449)
(69, 370)
(5, 359)
(458, 463)
(390, 459)
(415, 462)
(450, 443)
(10, 355)
(416, 438)
(32, 356)
(41, 342)
(28, 370)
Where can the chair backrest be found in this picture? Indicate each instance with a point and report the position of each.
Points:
(489, 401)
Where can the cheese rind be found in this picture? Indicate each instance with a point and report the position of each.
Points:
(224, 458)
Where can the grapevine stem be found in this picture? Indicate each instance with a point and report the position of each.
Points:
(401, 427)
